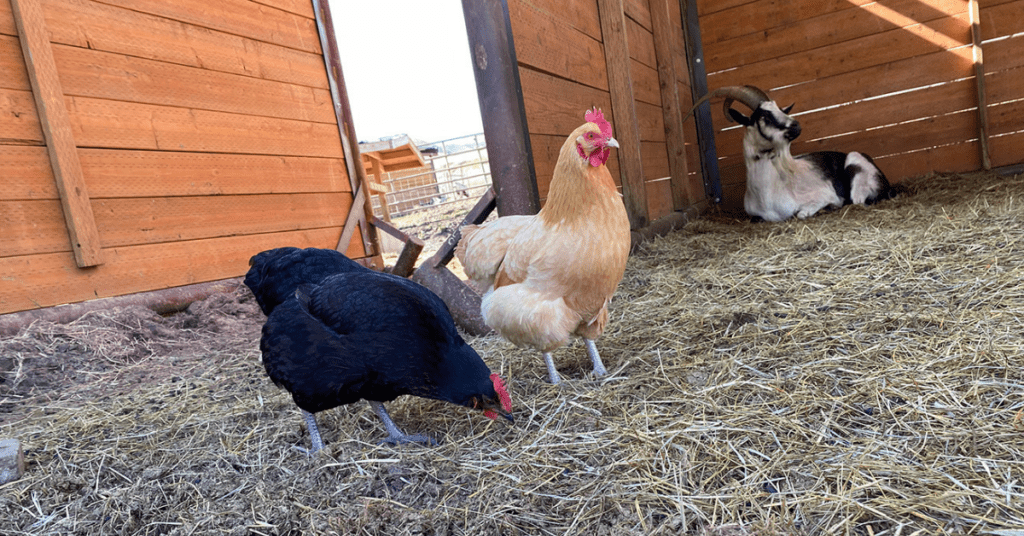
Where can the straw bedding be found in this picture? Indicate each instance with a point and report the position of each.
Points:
(859, 372)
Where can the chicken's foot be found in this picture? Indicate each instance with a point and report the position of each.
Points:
(552, 371)
(599, 369)
(314, 433)
(395, 436)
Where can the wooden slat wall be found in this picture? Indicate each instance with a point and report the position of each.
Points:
(893, 79)
(563, 72)
(205, 131)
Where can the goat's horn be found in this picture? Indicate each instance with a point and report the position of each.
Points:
(748, 95)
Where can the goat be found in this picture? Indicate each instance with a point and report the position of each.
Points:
(780, 185)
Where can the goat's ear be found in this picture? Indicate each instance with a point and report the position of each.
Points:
(739, 118)
(787, 109)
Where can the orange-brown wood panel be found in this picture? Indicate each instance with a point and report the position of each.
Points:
(239, 17)
(1000, 18)
(556, 106)
(115, 173)
(659, 198)
(1007, 150)
(641, 43)
(639, 11)
(12, 64)
(97, 26)
(719, 23)
(849, 56)
(116, 124)
(36, 226)
(826, 29)
(651, 122)
(646, 86)
(7, 26)
(26, 174)
(20, 122)
(548, 42)
(959, 157)
(105, 75)
(578, 14)
(655, 159)
(1006, 118)
(303, 8)
(52, 279)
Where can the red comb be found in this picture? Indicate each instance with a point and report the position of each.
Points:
(596, 116)
(506, 401)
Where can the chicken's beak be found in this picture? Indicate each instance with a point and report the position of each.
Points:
(612, 143)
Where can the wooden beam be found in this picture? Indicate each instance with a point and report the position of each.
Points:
(56, 125)
(500, 95)
(377, 186)
(699, 88)
(627, 131)
(979, 77)
(665, 50)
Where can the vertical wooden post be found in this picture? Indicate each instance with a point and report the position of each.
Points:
(349, 140)
(665, 52)
(56, 124)
(627, 131)
(699, 88)
(979, 77)
(500, 93)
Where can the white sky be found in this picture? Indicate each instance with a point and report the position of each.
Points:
(407, 68)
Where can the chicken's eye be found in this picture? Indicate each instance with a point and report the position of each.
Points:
(590, 135)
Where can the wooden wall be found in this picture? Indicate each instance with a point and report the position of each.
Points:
(205, 133)
(563, 56)
(893, 78)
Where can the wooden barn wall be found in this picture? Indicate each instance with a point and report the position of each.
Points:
(892, 78)
(563, 71)
(1002, 32)
(206, 133)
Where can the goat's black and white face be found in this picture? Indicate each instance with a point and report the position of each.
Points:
(772, 124)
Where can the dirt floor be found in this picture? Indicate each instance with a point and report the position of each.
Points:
(859, 372)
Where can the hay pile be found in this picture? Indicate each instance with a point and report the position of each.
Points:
(856, 373)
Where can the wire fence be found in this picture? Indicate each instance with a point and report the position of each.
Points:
(457, 169)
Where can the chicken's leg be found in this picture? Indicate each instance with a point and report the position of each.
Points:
(395, 436)
(314, 432)
(599, 369)
(552, 371)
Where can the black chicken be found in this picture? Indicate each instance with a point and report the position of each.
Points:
(337, 332)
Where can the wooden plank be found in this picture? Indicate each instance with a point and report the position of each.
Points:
(641, 44)
(116, 173)
(556, 106)
(12, 64)
(117, 124)
(1008, 150)
(1005, 118)
(666, 39)
(239, 17)
(1004, 54)
(7, 26)
(26, 174)
(92, 25)
(52, 279)
(744, 18)
(998, 20)
(650, 122)
(20, 125)
(645, 84)
(580, 15)
(302, 8)
(706, 7)
(104, 75)
(34, 227)
(826, 29)
(849, 56)
(616, 50)
(60, 142)
(538, 33)
(638, 11)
